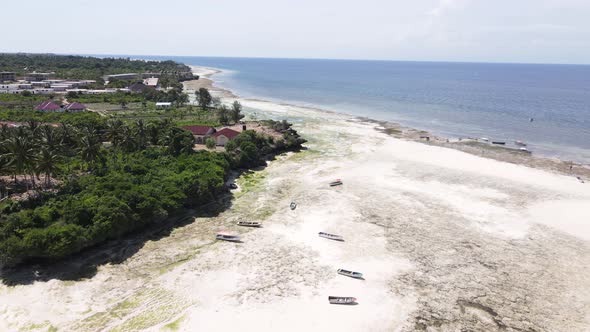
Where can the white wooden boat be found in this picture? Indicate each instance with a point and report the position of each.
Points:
(228, 237)
(341, 300)
(523, 149)
(352, 274)
(331, 236)
(336, 182)
(293, 205)
(248, 223)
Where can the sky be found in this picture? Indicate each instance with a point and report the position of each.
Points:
(524, 31)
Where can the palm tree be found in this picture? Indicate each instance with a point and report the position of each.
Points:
(4, 170)
(4, 132)
(127, 139)
(47, 163)
(20, 154)
(141, 132)
(89, 146)
(49, 137)
(67, 134)
(113, 131)
(153, 129)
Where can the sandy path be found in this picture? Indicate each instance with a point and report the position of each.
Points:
(446, 241)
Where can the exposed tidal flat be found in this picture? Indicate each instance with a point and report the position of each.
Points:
(447, 241)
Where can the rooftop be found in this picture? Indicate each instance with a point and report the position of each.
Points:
(198, 130)
(229, 133)
(47, 105)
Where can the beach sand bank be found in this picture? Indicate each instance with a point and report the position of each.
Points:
(447, 240)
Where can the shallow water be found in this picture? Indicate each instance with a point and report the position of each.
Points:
(451, 99)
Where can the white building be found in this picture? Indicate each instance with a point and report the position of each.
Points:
(151, 82)
(163, 105)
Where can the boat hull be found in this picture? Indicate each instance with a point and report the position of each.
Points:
(256, 224)
(351, 274)
(228, 238)
(331, 236)
(341, 300)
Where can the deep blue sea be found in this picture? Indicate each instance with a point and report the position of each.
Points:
(495, 101)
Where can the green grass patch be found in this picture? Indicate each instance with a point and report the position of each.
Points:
(175, 325)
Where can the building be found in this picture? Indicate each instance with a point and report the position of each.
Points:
(36, 77)
(48, 106)
(122, 77)
(42, 91)
(6, 76)
(60, 87)
(40, 84)
(151, 82)
(201, 133)
(224, 135)
(75, 107)
(138, 87)
(163, 104)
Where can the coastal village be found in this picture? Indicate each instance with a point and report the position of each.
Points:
(46, 83)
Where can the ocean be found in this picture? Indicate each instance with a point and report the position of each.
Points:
(546, 106)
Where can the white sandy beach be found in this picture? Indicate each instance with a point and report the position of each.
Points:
(446, 240)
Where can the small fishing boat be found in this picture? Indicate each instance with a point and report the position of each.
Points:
(485, 139)
(293, 205)
(523, 149)
(228, 237)
(331, 236)
(249, 223)
(341, 300)
(352, 274)
(519, 143)
(336, 182)
(498, 143)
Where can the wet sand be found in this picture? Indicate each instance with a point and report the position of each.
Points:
(447, 241)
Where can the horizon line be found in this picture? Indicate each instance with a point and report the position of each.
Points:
(296, 58)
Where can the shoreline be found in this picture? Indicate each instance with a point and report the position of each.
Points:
(446, 241)
(468, 145)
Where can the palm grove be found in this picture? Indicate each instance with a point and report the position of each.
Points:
(90, 179)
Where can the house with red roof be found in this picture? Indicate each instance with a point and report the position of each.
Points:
(201, 133)
(48, 106)
(224, 135)
(75, 107)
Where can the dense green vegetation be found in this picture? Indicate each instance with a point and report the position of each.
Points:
(9, 97)
(173, 95)
(135, 190)
(83, 67)
(91, 179)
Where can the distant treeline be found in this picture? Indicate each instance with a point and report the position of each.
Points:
(84, 67)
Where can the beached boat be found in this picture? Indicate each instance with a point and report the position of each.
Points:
(331, 236)
(485, 139)
(523, 149)
(228, 237)
(341, 300)
(352, 274)
(249, 223)
(293, 205)
(233, 186)
(498, 143)
(519, 143)
(336, 182)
